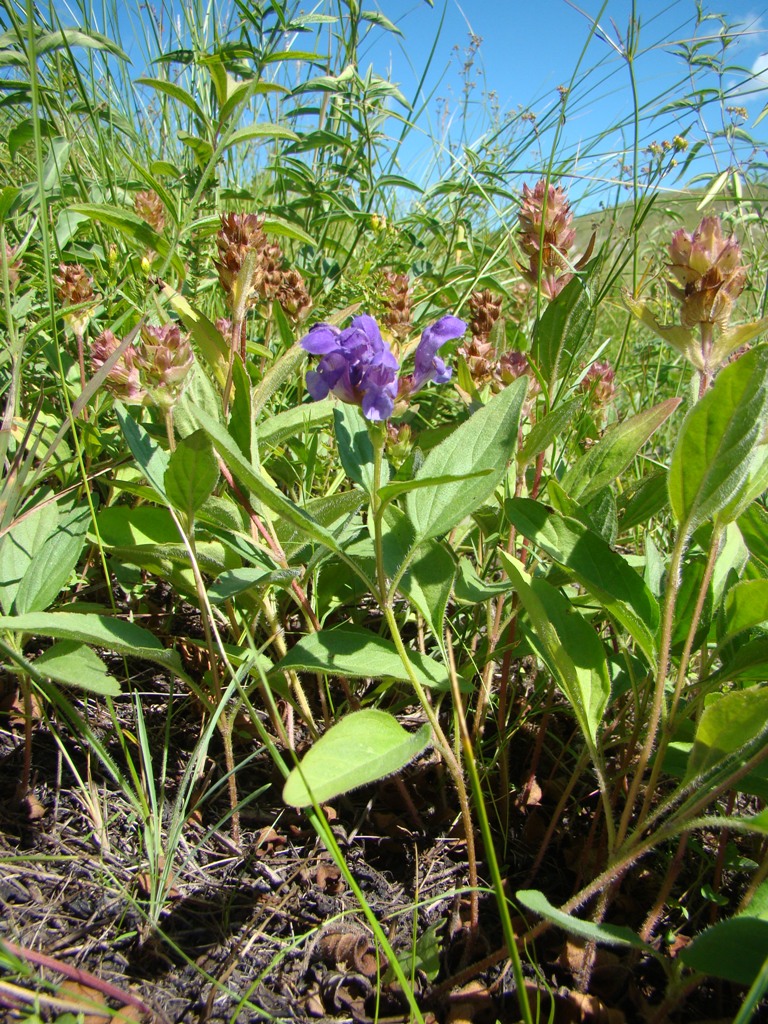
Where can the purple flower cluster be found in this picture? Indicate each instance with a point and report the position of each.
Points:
(359, 367)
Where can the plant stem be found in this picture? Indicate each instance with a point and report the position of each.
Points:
(657, 707)
(442, 743)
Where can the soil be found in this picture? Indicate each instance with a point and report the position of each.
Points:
(268, 927)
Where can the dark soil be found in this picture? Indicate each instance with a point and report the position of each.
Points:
(269, 928)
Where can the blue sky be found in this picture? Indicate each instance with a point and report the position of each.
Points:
(520, 54)
(528, 50)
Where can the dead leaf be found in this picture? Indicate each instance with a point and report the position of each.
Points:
(328, 878)
(88, 1001)
(353, 951)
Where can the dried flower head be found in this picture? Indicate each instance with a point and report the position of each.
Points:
(546, 235)
(164, 359)
(149, 206)
(74, 289)
(513, 364)
(249, 265)
(398, 304)
(239, 240)
(268, 273)
(709, 271)
(123, 379)
(486, 310)
(293, 296)
(479, 356)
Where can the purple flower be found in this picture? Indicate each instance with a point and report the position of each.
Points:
(358, 366)
(428, 365)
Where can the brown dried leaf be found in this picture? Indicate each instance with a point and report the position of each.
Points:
(352, 951)
(328, 878)
(83, 999)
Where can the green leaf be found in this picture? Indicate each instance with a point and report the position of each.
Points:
(604, 934)
(753, 525)
(474, 590)
(114, 634)
(685, 341)
(121, 526)
(486, 441)
(753, 486)
(730, 724)
(546, 430)
(362, 747)
(428, 581)
(641, 500)
(735, 949)
(398, 487)
(597, 567)
(241, 421)
(294, 421)
(70, 37)
(275, 225)
(614, 451)
(717, 443)
(134, 228)
(237, 581)
(192, 474)
(355, 446)
(259, 131)
(74, 664)
(745, 607)
(18, 545)
(568, 646)
(53, 563)
(566, 327)
(201, 149)
(356, 652)
(258, 485)
(325, 511)
(748, 664)
(8, 196)
(279, 374)
(152, 460)
(177, 93)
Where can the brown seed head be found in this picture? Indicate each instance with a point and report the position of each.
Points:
(478, 355)
(709, 273)
(239, 234)
(293, 296)
(74, 285)
(486, 310)
(399, 304)
(74, 289)
(268, 273)
(549, 205)
(149, 206)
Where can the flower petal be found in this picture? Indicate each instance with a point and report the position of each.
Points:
(322, 339)
(427, 366)
(378, 404)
